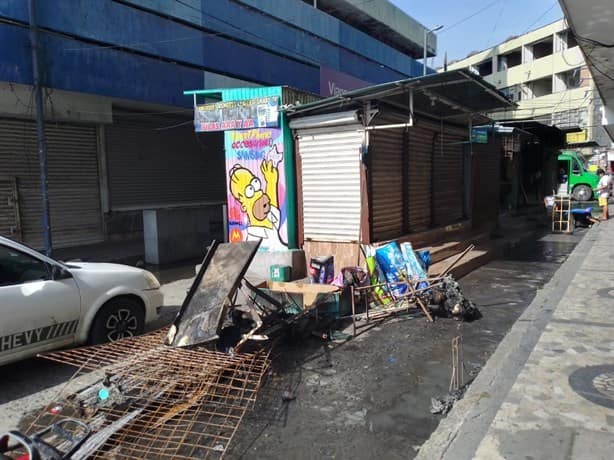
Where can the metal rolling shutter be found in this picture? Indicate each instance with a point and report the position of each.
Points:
(149, 167)
(330, 166)
(420, 158)
(448, 176)
(74, 192)
(386, 163)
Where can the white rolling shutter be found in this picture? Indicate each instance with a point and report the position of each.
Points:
(330, 169)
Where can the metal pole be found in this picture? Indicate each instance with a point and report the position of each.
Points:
(424, 61)
(40, 128)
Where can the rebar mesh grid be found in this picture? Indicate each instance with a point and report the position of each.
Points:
(163, 402)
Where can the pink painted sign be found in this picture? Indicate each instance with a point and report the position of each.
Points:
(257, 187)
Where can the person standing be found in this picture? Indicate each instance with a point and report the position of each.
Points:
(603, 191)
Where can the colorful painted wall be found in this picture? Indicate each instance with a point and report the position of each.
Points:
(260, 168)
(257, 198)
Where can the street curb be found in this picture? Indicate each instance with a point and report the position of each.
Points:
(460, 433)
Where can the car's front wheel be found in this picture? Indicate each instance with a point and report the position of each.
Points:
(582, 193)
(117, 319)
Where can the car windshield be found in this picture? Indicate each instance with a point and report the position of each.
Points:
(38, 252)
(583, 161)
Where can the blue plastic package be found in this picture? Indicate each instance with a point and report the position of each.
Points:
(424, 257)
(391, 263)
(414, 269)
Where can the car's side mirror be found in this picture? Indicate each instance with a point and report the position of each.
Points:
(59, 273)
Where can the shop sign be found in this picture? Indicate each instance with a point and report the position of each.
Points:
(479, 135)
(576, 137)
(261, 112)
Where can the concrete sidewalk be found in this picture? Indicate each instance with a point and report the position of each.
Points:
(548, 390)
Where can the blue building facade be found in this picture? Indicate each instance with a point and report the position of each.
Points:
(114, 73)
(151, 50)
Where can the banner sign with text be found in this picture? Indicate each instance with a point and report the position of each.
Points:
(261, 112)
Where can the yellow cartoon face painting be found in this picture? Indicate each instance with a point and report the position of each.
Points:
(259, 202)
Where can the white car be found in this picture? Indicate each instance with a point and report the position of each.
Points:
(46, 304)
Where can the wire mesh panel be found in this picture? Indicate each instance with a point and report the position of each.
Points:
(156, 401)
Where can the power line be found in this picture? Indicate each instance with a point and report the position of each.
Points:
(541, 16)
(469, 17)
(183, 123)
(494, 28)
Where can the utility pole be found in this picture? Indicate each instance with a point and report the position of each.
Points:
(40, 127)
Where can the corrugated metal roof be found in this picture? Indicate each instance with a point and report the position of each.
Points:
(457, 94)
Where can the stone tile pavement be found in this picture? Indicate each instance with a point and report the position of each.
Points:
(560, 404)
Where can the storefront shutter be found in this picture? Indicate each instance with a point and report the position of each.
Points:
(158, 160)
(74, 191)
(386, 175)
(448, 175)
(421, 144)
(330, 178)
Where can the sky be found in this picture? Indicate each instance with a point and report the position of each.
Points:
(474, 25)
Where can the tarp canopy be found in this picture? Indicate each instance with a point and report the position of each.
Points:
(457, 96)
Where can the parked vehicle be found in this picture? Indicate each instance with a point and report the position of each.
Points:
(46, 304)
(575, 177)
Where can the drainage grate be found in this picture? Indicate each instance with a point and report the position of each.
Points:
(595, 383)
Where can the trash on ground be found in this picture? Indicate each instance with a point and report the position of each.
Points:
(444, 404)
(184, 390)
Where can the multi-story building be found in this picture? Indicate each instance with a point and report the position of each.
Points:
(544, 72)
(119, 131)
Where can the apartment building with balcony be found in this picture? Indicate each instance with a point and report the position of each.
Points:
(544, 72)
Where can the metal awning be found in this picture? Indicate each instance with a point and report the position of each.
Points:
(457, 96)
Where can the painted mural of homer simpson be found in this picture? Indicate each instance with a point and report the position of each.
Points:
(261, 206)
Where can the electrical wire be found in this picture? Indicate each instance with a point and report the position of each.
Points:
(541, 16)
(183, 123)
(458, 23)
(496, 24)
